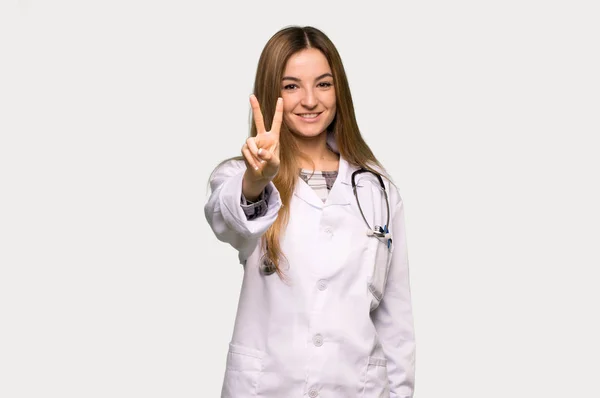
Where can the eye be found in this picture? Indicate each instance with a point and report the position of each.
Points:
(325, 84)
(290, 86)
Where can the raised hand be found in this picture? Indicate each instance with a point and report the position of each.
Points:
(261, 153)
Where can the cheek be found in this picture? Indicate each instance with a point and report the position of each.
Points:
(330, 101)
(333, 108)
(287, 118)
(288, 106)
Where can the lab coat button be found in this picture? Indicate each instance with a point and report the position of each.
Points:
(318, 340)
(322, 285)
(313, 393)
(329, 231)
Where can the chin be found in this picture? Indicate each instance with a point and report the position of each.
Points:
(313, 131)
(308, 133)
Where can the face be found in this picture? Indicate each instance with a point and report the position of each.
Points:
(308, 93)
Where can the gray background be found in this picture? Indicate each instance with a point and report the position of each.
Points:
(113, 113)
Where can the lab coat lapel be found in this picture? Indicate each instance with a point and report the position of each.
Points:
(341, 193)
(307, 194)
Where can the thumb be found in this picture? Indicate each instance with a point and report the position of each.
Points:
(263, 154)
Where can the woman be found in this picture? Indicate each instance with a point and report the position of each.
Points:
(325, 307)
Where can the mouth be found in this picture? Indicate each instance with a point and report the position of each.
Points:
(309, 117)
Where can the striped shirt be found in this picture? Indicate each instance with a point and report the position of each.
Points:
(320, 181)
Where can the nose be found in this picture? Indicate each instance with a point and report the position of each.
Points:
(309, 100)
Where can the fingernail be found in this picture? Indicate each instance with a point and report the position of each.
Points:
(259, 150)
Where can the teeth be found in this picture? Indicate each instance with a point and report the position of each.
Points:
(309, 115)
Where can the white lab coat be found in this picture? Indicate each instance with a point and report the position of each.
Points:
(342, 324)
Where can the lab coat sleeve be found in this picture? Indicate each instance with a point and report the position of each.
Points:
(225, 214)
(256, 209)
(393, 318)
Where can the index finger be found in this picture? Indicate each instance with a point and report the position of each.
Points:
(257, 114)
(277, 118)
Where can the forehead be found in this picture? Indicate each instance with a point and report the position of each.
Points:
(307, 63)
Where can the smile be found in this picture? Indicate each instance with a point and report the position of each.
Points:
(309, 117)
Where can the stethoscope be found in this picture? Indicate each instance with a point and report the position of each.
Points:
(377, 231)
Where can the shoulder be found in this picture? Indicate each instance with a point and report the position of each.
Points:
(393, 192)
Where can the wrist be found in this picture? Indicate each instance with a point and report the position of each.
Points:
(252, 187)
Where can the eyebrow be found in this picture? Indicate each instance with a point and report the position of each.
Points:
(298, 80)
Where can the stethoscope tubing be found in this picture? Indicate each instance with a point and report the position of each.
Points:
(387, 202)
(267, 266)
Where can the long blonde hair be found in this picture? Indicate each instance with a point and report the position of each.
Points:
(267, 88)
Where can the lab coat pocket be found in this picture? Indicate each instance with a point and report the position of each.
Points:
(379, 274)
(243, 369)
(379, 255)
(376, 384)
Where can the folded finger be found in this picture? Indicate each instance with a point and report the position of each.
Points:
(250, 159)
(251, 142)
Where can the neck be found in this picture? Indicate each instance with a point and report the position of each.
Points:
(317, 150)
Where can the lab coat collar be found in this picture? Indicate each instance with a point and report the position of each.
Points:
(340, 194)
(345, 169)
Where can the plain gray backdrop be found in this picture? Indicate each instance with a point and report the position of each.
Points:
(114, 113)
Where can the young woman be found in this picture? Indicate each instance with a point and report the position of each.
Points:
(325, 307)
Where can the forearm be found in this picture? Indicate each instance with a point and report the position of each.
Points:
(227, 217)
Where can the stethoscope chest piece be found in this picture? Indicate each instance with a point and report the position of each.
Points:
(267, 267)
